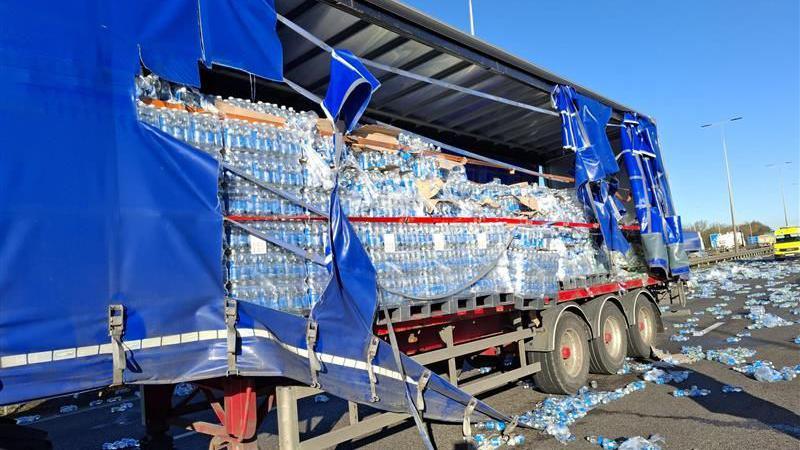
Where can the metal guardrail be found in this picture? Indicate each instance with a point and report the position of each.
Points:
(745, 253)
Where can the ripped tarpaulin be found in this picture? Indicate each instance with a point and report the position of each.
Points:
(661, 229)
(241, 34)
(350, 89)
(343, 318)
(99, 209)
(583, 125)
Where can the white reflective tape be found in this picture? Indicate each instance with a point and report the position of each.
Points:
(222, 334)
(105, 349)
(132, 345)
(350, 363)
(246, 332)
(189, 337)
(13, 361)
(40, 357)
(172, 339)
(263, 334)
(151, 342)
(66, 353)
(89, 350)
(338, 360)
(207, 335)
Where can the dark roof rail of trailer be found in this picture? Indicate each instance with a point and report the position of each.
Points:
(476, 96)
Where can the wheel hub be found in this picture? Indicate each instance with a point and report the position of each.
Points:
(566, 352)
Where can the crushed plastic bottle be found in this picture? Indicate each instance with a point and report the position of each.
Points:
(124, 443)
(321, 398)
(94, 403)
(67, 409)
(606, 443)
(728, 389)
(694, 391)
(113, 399)
(654, 442)
(484, 370)
(678, 338)
(560, 432)
(494, 425)
(730, 356)
(693, 352)
(515, 440)
(122, 407)
(27, 420)
(797, 340)
(733, 339)
(555, 414)
(659, 376)
(183, 389)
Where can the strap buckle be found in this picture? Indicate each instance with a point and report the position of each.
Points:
(422, 383)
(313, 361)
(372, 351)
(231, 317)
(116, 329)
(466, 428)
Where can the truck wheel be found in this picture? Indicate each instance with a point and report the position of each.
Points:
(609, 348)
(565, 369)
(642, 334)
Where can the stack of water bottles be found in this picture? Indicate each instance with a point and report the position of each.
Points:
(414, 261)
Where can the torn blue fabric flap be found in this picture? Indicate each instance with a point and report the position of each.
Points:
(350, 89)
(344, 316)
(169, 39)
(241, 34)
(651, 193)
(583, 129)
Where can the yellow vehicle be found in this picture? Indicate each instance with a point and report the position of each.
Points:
(787, 242)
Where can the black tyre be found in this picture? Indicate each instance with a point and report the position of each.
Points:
(565, 369)
(608, 349)
(642, 334)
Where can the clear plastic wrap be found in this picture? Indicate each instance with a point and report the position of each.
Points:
(286, 150)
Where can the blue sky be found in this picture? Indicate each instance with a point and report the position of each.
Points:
(684, 62)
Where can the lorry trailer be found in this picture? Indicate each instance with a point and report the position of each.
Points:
(353, 203)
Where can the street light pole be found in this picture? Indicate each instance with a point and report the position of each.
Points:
(722, 124)
(783, 196)
(471, 19)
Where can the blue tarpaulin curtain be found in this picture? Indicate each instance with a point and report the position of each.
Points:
(100, 209)
(662, 233)
(583, 124)
(241, 34)
(350, 89)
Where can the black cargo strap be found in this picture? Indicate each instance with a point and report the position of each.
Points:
(466, 427)
(116, 329)
(231, 316)
(422, 383)
(372, 351)
(313, 361)
(423, 433)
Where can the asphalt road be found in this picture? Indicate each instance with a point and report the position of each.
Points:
(764, 416)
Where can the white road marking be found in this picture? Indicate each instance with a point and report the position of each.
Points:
(702, 332)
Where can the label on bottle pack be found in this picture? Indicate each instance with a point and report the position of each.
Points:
(438, 241)
(257, 246)
(389, 243)
(483, 240)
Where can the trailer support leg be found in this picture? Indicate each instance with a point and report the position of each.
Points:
(447, 336)
(288, 432)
